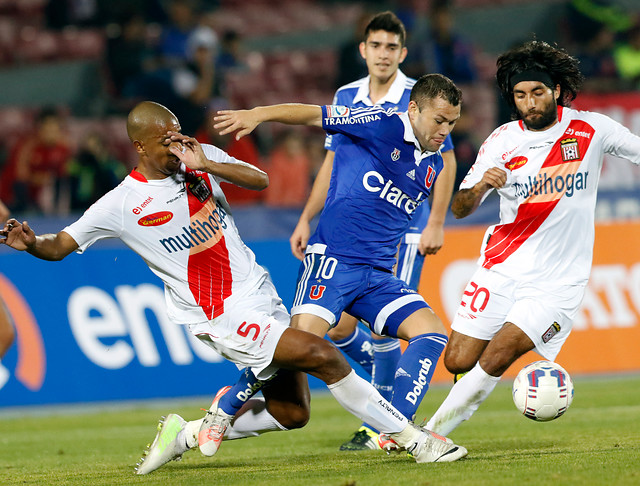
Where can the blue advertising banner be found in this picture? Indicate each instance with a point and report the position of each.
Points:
(93, 327)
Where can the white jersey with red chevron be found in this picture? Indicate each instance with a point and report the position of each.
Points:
(183, 229)
(547, 205)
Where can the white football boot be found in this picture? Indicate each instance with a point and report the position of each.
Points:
(164, 447)
(428, 446)
(214, 426)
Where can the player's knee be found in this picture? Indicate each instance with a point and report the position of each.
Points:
(322, 353)
(456, 362)
(297, 417)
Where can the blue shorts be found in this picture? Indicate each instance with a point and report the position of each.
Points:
(410, 261)
(326, 288)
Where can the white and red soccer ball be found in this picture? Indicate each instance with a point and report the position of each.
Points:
(543, 391)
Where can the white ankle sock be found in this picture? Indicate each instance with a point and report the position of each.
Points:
(190, 433)
(360, 398)
(463, 400)
(253, 422)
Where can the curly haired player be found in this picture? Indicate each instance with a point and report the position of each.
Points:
(535, 263)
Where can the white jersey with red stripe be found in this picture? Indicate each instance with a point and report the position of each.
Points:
(183, 229)
(547, 205)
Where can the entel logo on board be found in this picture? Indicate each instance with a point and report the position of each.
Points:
(156, 219)
(31, 363)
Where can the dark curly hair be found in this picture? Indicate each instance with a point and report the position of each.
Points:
(539, 56)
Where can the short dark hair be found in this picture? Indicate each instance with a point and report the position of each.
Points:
(389, 22)
(539, 56)
(431, 86)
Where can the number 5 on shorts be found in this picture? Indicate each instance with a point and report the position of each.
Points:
(244, 329)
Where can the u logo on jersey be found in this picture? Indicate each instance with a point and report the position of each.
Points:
(430, 177)
(317, 291)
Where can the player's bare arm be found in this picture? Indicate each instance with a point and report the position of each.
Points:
(245, 121)
(466, 201)
(21, 237)
(190, 153)
(314, 205)
(432, 237)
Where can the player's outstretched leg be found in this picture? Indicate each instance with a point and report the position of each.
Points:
(316, 356)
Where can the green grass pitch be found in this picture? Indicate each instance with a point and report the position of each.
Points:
(596, 442)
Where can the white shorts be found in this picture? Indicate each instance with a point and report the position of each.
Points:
(544, 312)
(248, 331)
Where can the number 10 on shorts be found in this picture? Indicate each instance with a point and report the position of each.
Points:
(326, 266)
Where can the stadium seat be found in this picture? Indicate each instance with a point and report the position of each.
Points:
(82, 43)
(36, 45)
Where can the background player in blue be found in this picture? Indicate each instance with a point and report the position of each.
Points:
(385, 168)
(383, 49)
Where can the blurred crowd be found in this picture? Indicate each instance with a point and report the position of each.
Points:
(191, 56)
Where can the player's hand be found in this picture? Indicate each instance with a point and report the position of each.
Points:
(188, 150)
(18, 236)
(299, 239)
(244, 121)
(494, 177)
(431, 240)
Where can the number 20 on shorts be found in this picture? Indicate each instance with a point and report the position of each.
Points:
(475, 297)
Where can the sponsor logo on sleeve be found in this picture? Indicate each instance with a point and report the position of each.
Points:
(337, 111)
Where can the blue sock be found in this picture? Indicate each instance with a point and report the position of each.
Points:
(386, 354)
(246, 387)
(358, 347)
(415, 369)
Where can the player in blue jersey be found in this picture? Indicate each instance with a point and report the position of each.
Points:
(386, 85)
(385, 167)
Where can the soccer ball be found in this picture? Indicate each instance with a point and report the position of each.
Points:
(542, 391)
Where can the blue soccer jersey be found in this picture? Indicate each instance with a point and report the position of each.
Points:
(380, 177)
(356, 94)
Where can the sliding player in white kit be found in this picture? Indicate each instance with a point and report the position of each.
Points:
(171, 211)
(535, 264)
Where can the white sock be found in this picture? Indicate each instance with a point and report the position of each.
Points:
(253, 422)
(190, 433)
(463, 400)
(359, 397)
